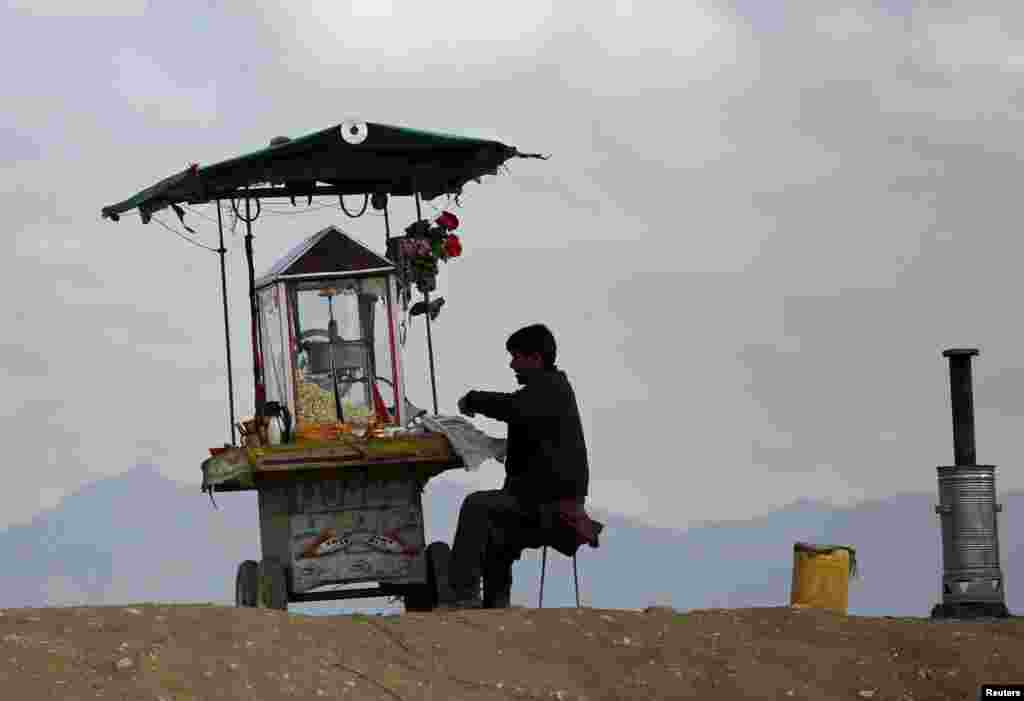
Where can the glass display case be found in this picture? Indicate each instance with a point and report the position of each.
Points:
(328, 338)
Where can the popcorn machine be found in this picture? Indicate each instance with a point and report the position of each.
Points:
(328, 341)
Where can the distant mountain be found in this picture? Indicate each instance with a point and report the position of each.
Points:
(142, 537)
(131, 537)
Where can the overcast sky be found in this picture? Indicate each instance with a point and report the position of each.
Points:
(762, 223)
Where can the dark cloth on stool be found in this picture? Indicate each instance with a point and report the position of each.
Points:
(565, 526)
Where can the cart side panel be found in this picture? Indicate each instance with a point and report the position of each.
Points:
(290, 347)
(275, 344)
(395, 347)
(344, 531)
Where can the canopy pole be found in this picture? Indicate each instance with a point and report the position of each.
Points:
(227, 327)
(426, 302)
(260, 393)
(392, 341)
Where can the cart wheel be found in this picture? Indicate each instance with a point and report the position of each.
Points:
(247, 583)
(425, 597)
(273, 586)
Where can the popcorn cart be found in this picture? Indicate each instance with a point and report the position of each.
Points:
(337, 454)
(339, 498)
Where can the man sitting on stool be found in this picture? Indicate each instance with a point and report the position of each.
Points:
(545, 465)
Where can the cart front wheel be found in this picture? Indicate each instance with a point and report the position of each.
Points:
(425, 597)
(273, 586)
(247, 584)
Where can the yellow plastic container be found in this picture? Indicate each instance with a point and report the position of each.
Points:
(821, 576)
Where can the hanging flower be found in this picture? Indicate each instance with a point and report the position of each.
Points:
(452, 246)
(447, 221)
(414, 247)
(421, 249)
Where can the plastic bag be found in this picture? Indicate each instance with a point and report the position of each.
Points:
(473, 445)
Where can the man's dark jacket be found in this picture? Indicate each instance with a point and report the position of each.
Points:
(546, 457)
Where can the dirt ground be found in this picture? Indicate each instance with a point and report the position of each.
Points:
(152, 652)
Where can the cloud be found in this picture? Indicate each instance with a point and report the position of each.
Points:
(844, 24)
(398, 29)
(961, 41)
(147, 87)
(16, 146)
(652, 28)
(72, 8)
(1002, 391)
(20, 359)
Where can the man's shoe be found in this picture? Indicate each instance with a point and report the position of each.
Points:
(497, 599)
(455, 599)
(501, 601)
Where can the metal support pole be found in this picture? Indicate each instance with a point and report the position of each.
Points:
(227, 327)
(430, 340)
(576, 580)
(430, 352)
(543, 569)
(962, 400)
(253, 309)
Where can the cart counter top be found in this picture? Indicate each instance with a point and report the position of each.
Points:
(240, 469)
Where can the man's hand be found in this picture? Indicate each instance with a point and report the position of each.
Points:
(464, 406)
(500, 446)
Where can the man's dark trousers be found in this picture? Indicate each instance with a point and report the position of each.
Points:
(487, 521)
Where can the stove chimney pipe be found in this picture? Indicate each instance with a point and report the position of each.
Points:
(972, 581)
(962, 398)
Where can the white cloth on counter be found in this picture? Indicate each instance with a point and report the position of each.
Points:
(473, 445)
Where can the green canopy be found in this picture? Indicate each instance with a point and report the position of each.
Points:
(351, 158)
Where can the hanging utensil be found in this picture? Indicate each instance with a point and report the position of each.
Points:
(332, 337)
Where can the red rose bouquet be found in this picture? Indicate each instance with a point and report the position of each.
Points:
(419, 251)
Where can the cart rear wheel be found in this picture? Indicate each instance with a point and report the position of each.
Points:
(273, 586)
(247, 583)
(425, 597)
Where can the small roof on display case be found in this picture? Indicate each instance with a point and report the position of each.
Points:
(328, 253)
